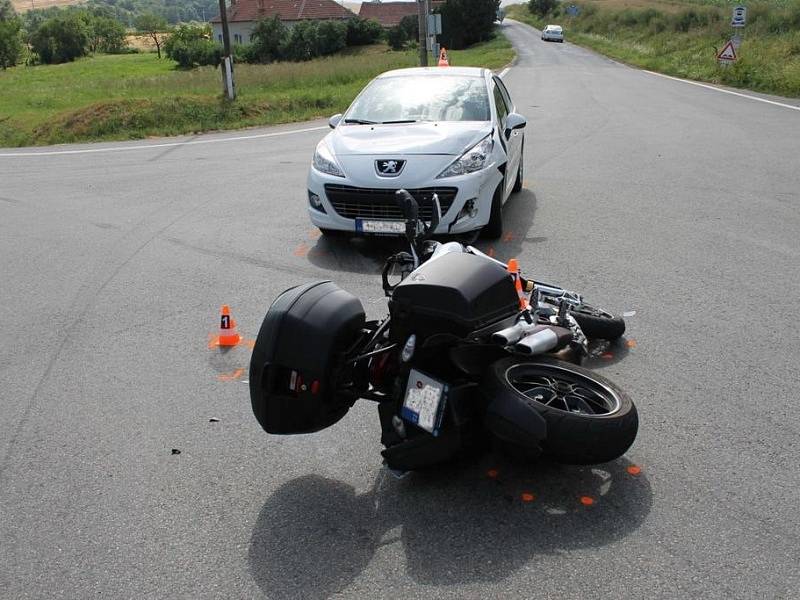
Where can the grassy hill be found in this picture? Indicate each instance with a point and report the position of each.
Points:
(682, 38)
(136, 95)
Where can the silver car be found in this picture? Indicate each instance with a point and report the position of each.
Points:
(553, 33)
(448, 131)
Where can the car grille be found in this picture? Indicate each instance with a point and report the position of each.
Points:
(376, 203)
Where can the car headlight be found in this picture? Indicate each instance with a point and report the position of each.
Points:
(324, 162)
(472, 160)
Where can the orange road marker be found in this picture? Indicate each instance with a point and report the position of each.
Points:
(634, 470)
(631, 343)
(228, 336)
(528, 497)
(587, 500)
(491, 473)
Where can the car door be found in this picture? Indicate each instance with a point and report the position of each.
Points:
(512, 143)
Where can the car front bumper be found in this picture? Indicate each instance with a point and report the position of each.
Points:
(343, 203)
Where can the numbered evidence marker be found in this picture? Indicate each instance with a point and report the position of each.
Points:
(728, 54)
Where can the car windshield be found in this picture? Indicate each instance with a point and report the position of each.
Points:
(407, 99)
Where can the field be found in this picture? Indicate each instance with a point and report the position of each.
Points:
(23, 5)
(133, 96)
(682, 39)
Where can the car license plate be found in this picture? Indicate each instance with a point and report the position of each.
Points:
(380, 226)
(423, 404)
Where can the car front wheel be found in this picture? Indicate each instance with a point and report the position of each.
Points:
(494, 228)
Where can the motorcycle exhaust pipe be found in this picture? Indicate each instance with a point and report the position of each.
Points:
(511, 335)
(544, 339)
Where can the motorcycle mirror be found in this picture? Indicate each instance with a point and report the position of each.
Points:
(436, 216)
(407, 204)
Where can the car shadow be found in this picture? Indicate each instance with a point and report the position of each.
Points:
(463, 523)
(367, 254)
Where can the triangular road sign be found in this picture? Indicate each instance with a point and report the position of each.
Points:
(728, 52)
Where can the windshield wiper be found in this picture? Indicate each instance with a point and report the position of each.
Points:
(360, 122)
(399, 121)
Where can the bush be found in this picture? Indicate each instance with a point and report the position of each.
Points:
(60, 39)
(301, 43)
(195, 53)
(331, 37)
(361, 32)
(406, 31)
(268, 37)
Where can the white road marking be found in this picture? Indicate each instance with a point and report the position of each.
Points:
(503, 72)
(164, 145)
(716, 89)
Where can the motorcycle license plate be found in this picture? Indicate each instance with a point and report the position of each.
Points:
(380, 226)
(423, 404)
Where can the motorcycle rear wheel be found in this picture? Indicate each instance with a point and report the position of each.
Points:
(589, 419)
(597, 323)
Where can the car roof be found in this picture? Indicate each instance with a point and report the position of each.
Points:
(553, 27)
(436, 72)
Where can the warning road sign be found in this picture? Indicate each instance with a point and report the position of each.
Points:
(728, 53)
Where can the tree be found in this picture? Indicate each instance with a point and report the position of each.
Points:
(154, 26)
(7, 12)
(106, 35)
(191, 45)
(363, 31)
(542, 7)
(268, 37)
(10, 42)
(467, 22)
(60, 39)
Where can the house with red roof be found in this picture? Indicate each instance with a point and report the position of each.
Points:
(389, 14)
(243, 15)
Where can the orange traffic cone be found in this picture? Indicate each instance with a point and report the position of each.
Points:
(228, 336)
(513, 268)
(443, 61)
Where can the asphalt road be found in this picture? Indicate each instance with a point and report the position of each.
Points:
(649, 195)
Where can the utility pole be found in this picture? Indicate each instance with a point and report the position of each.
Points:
(227, 62)
(422, 9)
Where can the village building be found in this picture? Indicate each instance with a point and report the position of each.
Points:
(244, 14)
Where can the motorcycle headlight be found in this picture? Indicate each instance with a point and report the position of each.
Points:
(474, 159)
(324, 162)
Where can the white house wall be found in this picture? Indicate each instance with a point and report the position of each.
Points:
(240, 31)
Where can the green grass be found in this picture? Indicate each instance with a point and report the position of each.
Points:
(133, 96)
(681, 38)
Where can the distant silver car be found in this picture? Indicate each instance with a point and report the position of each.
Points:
(553, 33)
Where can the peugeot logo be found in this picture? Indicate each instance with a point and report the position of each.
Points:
(389, 167)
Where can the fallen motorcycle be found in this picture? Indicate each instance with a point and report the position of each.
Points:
(471, 354)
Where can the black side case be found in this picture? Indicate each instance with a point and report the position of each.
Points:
(455, 294)
(297, 355)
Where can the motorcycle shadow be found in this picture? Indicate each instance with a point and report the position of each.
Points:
(451, 525)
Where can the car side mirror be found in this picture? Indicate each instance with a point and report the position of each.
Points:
(514, 121)
(334, 120)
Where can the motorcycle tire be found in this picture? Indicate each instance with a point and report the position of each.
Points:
(589, 419)
(597, 323)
